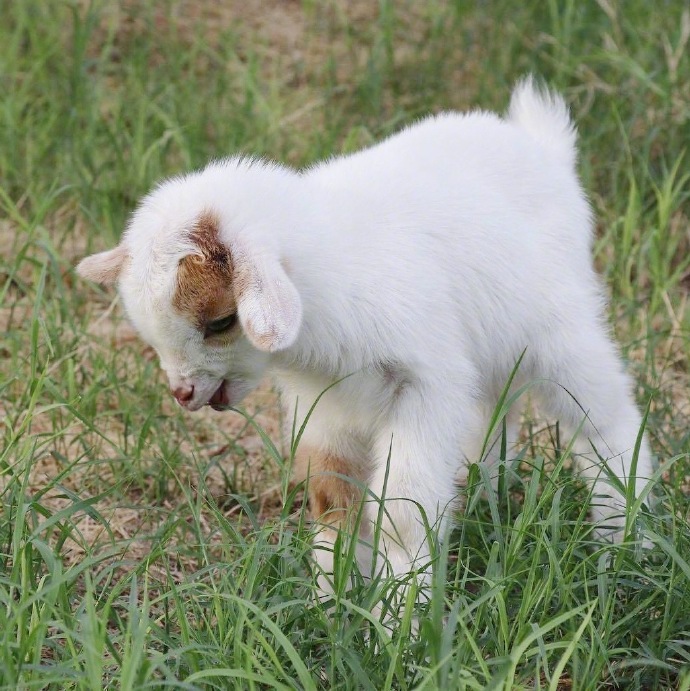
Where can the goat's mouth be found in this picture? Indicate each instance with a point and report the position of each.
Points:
(221, 397)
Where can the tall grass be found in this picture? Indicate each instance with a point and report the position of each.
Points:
(142, 548)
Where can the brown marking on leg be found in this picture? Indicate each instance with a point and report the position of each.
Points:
(333, 499)
(204, 290)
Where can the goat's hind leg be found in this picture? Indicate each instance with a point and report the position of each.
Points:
(588, 388)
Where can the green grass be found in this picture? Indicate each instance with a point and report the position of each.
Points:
(143, 548)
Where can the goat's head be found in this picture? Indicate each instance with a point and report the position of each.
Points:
(208, 294)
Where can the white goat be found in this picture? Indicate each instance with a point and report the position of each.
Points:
(413, 273)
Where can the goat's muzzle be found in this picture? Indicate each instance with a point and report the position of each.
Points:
(183, 395)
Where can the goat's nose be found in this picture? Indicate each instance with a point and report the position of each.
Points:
(183, 394)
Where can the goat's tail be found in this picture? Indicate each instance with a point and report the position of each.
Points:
(544, 114)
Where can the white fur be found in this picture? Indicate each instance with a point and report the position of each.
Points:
(423, 267)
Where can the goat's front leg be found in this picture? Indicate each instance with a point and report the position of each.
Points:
(413, 490)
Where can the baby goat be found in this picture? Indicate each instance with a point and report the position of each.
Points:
(405, 281)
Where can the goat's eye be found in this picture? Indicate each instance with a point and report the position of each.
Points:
(221, 325)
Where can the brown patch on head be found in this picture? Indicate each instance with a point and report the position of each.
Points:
(204, 280)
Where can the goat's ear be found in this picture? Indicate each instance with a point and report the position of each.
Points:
(268, 304)
(104, 267)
